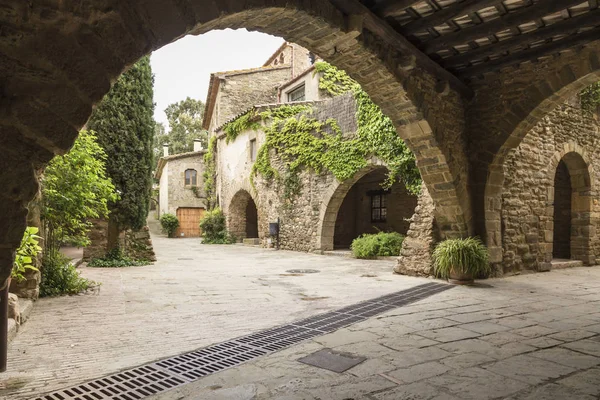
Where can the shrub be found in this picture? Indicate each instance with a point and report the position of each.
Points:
(462, 256)
(26, 254)
(381, 244)
(169, 223)
(116, 259)
(60, 277)
(213, 228)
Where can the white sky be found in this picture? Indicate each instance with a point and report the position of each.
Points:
(183, 68)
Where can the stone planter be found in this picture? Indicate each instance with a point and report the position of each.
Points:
(460, 278)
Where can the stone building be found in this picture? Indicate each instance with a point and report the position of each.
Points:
(327, 214)
(181, 188)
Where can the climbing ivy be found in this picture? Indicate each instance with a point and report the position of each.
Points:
(301, 141)
(590, 98)
(209, 173)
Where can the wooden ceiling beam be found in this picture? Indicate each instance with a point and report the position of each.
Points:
(567, 43)
(390, 36)
(444, 15)
(567, 26)
(515, 18)
(388, 8)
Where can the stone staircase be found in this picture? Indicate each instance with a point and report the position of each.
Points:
(560, 263)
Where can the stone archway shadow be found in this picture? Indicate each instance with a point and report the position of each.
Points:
(244, 216)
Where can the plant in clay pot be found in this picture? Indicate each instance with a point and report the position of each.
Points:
(461, 260)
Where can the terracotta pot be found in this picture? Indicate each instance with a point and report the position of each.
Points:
(460, 278)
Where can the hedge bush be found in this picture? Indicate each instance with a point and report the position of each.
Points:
(169, 223)
(381, 244)
(60, 277)
(214, 230)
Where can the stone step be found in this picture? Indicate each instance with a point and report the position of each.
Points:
(25, 306)
(251, 242)
(562, 263)
(339, 253)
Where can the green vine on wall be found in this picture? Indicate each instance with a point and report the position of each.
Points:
(301, 141)
(209, 174)
(590, 98)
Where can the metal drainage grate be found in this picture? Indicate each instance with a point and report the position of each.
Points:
(169, 373)
(133, 384)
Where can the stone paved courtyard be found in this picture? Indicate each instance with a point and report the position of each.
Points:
(193, 296)
(533, 336)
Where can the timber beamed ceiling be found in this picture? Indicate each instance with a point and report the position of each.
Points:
(469, 38)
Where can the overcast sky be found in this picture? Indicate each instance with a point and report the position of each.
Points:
(183, 68)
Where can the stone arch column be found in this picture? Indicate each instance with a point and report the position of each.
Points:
(583, 223)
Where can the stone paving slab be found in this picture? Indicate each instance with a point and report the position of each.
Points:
(453, 364)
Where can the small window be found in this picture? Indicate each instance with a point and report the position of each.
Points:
(379, 207)
(253, 150)
(281, 59)
(191, 177)
(298, 94)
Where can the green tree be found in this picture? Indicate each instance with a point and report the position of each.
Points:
(185, 123)
(75, 188)
(125, 126)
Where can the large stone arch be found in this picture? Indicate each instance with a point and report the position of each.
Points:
(516, 108)
(59, 60)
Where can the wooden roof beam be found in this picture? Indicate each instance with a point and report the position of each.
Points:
(515, 18)
(388, 8)
(440, 17)
(567, 43)
(390, 36)
(567, 26)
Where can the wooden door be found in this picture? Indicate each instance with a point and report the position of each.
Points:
(189, 222)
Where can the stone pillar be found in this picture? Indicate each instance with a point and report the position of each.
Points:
(415, 256)
(98, 236)
(138, 244)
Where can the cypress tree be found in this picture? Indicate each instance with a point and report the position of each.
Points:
(124, 124)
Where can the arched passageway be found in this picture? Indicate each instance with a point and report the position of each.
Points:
(571, 214)
(364, 206)
(242, 216)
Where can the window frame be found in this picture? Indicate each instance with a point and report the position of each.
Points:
(193, 174)
(381, 208)
(253, 150)
(296, 89)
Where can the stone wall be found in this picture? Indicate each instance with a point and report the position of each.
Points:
(415, 256)
(304, 219)
(135, 244)
(565, 139)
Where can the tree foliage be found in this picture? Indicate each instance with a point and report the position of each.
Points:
(125, 127)
(75, 189)
(590, 98)
(185, 123)
(160, 139)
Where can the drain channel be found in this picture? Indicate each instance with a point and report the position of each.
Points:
(163, 375)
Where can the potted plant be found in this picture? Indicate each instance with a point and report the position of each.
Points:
(461, 260)
(169, 223)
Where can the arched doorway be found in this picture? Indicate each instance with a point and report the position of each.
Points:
(242, 216)
(572, 209)
(364, 206)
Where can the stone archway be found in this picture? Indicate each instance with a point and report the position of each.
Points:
(61, 60)
(347, 208)
(243, 216)
(571, 196)
(540, 100)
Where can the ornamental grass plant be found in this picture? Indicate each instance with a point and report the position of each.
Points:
(467, 257)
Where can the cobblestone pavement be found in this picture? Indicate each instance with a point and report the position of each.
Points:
(529, 337)
(193, 296)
